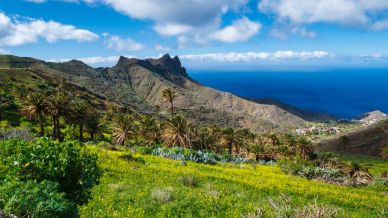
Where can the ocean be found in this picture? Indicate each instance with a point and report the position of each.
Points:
(345, 93)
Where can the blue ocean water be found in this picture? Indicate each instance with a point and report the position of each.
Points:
(345, 93)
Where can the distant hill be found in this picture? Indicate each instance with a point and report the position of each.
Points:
(304, 114)
(365, 141)
(139, 83)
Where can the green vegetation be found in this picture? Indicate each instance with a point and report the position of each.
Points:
(160, 187)
(44, 178)
(213, 171)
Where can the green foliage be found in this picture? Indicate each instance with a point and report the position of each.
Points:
(69, 165)
(155, 189)
(31, 199)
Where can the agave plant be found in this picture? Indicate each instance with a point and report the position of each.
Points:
(178, 132)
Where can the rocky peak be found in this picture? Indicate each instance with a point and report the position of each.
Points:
(168, 65)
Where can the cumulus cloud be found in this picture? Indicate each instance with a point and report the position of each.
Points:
(162, 48)
(240, 30)
(92, 60)
(346, 12)
(380, 25)
(185, 19)
(254, 56)
(16, 32)
(119, 44)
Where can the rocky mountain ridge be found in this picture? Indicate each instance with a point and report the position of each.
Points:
(139, 83)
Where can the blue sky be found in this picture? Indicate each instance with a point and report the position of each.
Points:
(203, 33)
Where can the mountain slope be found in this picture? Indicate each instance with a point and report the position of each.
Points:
(366, 141)
(139, 83)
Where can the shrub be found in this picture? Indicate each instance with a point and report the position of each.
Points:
(190, 181)
(316, 211)
(69, 165)
(143, 150)
(306, 169)
(162, 196)
(31, 199)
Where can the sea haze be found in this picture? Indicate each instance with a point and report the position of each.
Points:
(345, 93)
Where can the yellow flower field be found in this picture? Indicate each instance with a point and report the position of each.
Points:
(148, 186)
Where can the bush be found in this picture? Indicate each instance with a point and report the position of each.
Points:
(162, 196)
(69, 165)
(143, 150)
(190, 181)
(306, 169)
(31, 199)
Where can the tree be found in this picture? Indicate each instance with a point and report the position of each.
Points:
(207, 138)
(124, 128)
(94, 125)
(78, 115)
(7, 102)
(178, 132)
(304, 148)
(151, 130)
(169, 95)
(231, 139)
(56, 107)
(34, 108)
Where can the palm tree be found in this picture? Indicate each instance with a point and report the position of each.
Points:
(304, 148)
(169, 95)
(231, 139)
(178, 132)
(207, 138)
(78, 115)
(124, 128)
(7, 102)
(34, 108)
(94, 125)
(57, 106)
(384, 151)
(151, 131)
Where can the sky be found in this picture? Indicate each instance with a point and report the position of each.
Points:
(203, 33)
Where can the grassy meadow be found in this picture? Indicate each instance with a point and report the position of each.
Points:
(149, 186)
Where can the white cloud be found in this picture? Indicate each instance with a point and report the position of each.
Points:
(93, 60)
(172, 29)
(3, 51)
(254, 56)
(345, 12)
(16, 32)
(241, 30)
(119, 44)
(162, 48)
(380, 25)
(36, 1)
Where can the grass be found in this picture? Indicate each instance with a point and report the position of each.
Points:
(154, 188)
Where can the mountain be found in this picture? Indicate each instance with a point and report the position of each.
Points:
(372, 117)
(138, 84)
(366, 141)
(304, 114)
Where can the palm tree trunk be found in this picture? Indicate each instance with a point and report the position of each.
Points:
(92, 135)
(54, 128)
(81, 131)
(41, 124)
(58, 128)
(172, 110)
(231, 149)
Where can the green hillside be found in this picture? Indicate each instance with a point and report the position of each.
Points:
(149, 186)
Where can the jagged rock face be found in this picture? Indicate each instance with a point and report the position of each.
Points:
(139, 83)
